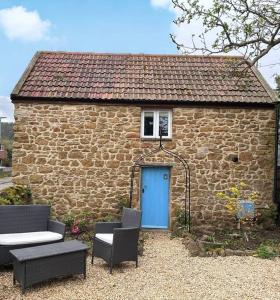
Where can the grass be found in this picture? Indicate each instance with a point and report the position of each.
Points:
(266, 252)
(5, 174)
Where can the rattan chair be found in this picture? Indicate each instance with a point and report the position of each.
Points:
(118, 241)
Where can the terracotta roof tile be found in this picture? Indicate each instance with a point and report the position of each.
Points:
(92, 76)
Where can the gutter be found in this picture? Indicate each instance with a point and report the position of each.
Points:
(141, 102)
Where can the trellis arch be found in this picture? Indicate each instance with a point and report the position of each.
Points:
(187, 198)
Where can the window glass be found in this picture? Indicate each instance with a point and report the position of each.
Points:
(163, 123)
(148, 124)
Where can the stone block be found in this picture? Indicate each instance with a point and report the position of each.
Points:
(75, 154)
(112, 164)
(36, 178)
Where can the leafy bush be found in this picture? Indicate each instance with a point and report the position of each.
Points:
(16, 195)
(79, 224)
(4, 201)
(180, 226)
(108, 218)
(267, 215)
(68, 220)
(122, 202)
(180, 217)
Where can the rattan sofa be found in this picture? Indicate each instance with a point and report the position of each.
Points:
(118, 241)
(26, 226)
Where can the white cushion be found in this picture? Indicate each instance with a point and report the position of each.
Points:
(105, 237)
(29, 238)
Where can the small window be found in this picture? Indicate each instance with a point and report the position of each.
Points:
(148, 123)
(153, 121)
(163, 123)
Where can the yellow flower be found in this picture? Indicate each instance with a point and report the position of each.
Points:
(220, 194)
(243, 184)
(234, 190)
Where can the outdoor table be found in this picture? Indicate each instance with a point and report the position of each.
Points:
(37, 264)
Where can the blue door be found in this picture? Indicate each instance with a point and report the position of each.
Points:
(155, 194)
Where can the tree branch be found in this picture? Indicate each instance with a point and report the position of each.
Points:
(249, 26)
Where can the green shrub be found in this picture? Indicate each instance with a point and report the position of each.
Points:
(268, 214)
(122, 202)
(108, 218)
(4, 201)
(68, 220)
(78, 224)
(181, 225)
(266, 251)
(180, 217)
(16, 195)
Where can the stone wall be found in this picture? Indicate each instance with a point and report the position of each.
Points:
(80, 156)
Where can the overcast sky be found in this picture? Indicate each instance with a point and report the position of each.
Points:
(140, 26)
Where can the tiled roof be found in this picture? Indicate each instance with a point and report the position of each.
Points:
(141, 77)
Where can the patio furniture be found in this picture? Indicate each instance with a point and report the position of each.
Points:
(118, 241)
(37, 264)
(25, 226)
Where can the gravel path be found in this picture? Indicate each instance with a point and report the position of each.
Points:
(165, 272)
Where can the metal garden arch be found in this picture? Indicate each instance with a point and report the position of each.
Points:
(187, 196)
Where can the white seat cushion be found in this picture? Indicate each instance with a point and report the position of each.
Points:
(105, 237)
(29, 238)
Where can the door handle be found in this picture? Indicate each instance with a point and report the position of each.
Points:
(143, 190)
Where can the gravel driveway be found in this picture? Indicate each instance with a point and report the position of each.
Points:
(165, 272)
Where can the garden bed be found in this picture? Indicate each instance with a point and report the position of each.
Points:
(256, 241)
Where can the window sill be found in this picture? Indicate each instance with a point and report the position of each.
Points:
(155, 139)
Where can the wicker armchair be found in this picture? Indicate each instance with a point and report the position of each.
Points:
(117, 241)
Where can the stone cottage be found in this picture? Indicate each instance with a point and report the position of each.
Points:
(82, 119)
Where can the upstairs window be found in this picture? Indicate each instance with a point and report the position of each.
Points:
(153, 120)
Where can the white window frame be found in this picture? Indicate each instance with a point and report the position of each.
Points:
(156, 123)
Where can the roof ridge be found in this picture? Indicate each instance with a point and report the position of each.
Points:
(142, 54)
